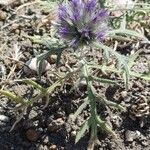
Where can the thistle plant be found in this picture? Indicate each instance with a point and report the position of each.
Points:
(82, 26)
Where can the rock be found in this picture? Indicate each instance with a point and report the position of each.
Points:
(52, 59)
(43, 147)
(4, 118)
(144, 143)
(124, 94)
(73, 133)
(46, 139)
(3, 15)
(14, 26)
(33, 114)
(55, 125)
(53, 147)
(32, 135)
(31, 66)
(129, 136)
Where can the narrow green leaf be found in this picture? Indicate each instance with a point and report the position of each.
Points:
(13, 97)
(34, 84)
(102, 80)
(127, 32)
(104, 126)
(53, 86)
(80, 109)
(133, 57)
(109, 103)
(122, 61)
(86, 125)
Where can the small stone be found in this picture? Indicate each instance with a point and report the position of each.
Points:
(82, 85)
(31, 66)
(129, 136)
(144, 143)
(46, 140)
(73, 133)
(4, 118)
(43, 147)
(53, 147)
(14, 26)
(52, 59)
(55, 125)
(32, 135)
(63, 69)
(33, 114)
(124, 94)
(3, 15)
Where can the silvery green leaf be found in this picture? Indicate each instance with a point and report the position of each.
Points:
(86, 125)
(80, 109)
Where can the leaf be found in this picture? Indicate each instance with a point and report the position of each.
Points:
(104, 126)
(132, 58)
(145, 76)
(53, 86)
(109, 103)
(122, 61)
(34, 84)
(102, 80)
(127, 32)
(13, 97)
(86, 125)
(80, 109)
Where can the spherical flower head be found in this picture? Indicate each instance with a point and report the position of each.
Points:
(81, 23)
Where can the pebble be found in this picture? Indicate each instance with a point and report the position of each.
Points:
(55, 125)
(3, 15)
(33, 114)
(124, 94)
(45, 139)
(53, 147)
(31, 66)
(52, 59)
(73, 133)
(129, 136)
(14, 26)
(43, 147)
(32, 135)
(4, 118)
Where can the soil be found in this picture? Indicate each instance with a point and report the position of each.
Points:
(51, 128)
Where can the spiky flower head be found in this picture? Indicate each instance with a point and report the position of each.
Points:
(81, 22)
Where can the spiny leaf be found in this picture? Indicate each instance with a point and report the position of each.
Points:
(86, 125)
(104, 126)
(127, 32)
(109, 103)
(80, 109)
(122, 61)
(133, 57)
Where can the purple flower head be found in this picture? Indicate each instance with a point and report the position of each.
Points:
(81, 22)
